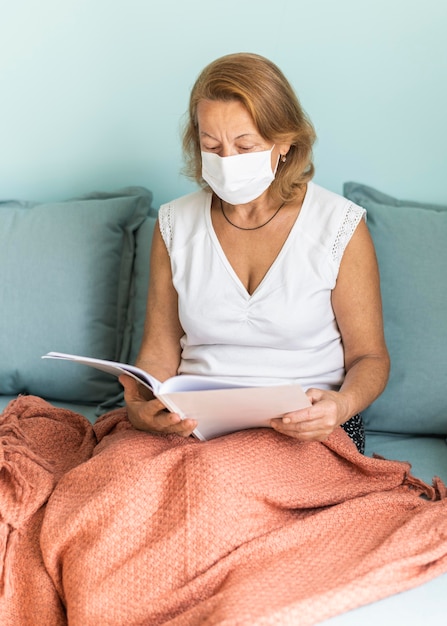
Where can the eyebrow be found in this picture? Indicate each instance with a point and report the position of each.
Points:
(204, 133)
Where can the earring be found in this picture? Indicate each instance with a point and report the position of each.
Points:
(283, 158)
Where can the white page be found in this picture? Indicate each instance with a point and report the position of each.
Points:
(184, 382)
(227, 410)
(110, 367)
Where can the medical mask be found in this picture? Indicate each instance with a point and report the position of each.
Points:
(240, 178)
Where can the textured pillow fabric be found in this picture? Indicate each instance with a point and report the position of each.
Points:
(411, 245)
(66, 278)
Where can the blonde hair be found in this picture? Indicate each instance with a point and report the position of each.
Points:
(274, 107)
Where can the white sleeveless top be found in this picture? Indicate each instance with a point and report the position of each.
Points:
(286, 330)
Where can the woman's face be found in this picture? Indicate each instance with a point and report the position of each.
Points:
(226, 128)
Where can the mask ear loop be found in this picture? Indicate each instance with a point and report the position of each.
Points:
(280, 156)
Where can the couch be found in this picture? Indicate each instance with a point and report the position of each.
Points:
(74, 279)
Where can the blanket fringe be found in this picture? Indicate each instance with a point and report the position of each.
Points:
(417, 484)
(436, 491)
(440, 488)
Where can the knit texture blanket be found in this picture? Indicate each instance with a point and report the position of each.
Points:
(252, 528)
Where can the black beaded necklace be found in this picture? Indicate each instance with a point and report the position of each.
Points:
(254, 227)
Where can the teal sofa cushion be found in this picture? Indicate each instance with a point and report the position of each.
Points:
(66, 282)
(140, 283)
(411, 245)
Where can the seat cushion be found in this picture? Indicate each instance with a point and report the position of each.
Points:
(427, 455)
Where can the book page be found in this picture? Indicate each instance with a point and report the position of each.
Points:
(222, 411)
(184, 382)
(109, 367)
(195, 382)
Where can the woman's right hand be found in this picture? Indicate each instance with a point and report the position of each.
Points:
(151, 415)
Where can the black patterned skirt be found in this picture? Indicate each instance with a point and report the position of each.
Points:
(355, 428)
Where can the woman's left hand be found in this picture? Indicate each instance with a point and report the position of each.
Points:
(315, 423)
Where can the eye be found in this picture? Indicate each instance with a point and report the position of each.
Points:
(209, 148)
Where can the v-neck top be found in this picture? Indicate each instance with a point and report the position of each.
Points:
(285, 331)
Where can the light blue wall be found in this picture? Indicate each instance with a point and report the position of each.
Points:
(92, 91)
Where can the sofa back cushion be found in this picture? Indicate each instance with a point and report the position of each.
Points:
(411, 245)
(66, 283)
(139, 287)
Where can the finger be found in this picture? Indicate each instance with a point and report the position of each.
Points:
(132, 388)
(185, 427)
(127, 381)
(314, 395)
(297, 417)
(301, 435)
(171, 423)
(303, 416)
(163, 419)
(292, 422)
(285, 425)
(134, 391)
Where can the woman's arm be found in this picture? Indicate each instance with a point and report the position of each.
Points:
(160, 349)
(358, 310)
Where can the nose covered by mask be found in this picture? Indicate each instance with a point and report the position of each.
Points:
(240, 178)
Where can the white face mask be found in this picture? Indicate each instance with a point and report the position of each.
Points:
(240, 178)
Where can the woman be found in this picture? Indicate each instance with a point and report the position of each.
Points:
(262, 275)
(265, 277)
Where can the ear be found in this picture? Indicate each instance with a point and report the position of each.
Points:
(283, 150)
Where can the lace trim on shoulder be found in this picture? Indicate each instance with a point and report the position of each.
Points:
(350, 222)
(165, 221)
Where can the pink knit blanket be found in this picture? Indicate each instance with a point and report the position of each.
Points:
(111, 526)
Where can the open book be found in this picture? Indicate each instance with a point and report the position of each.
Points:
(220, 407)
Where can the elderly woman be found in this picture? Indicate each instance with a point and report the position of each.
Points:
(262, 275)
